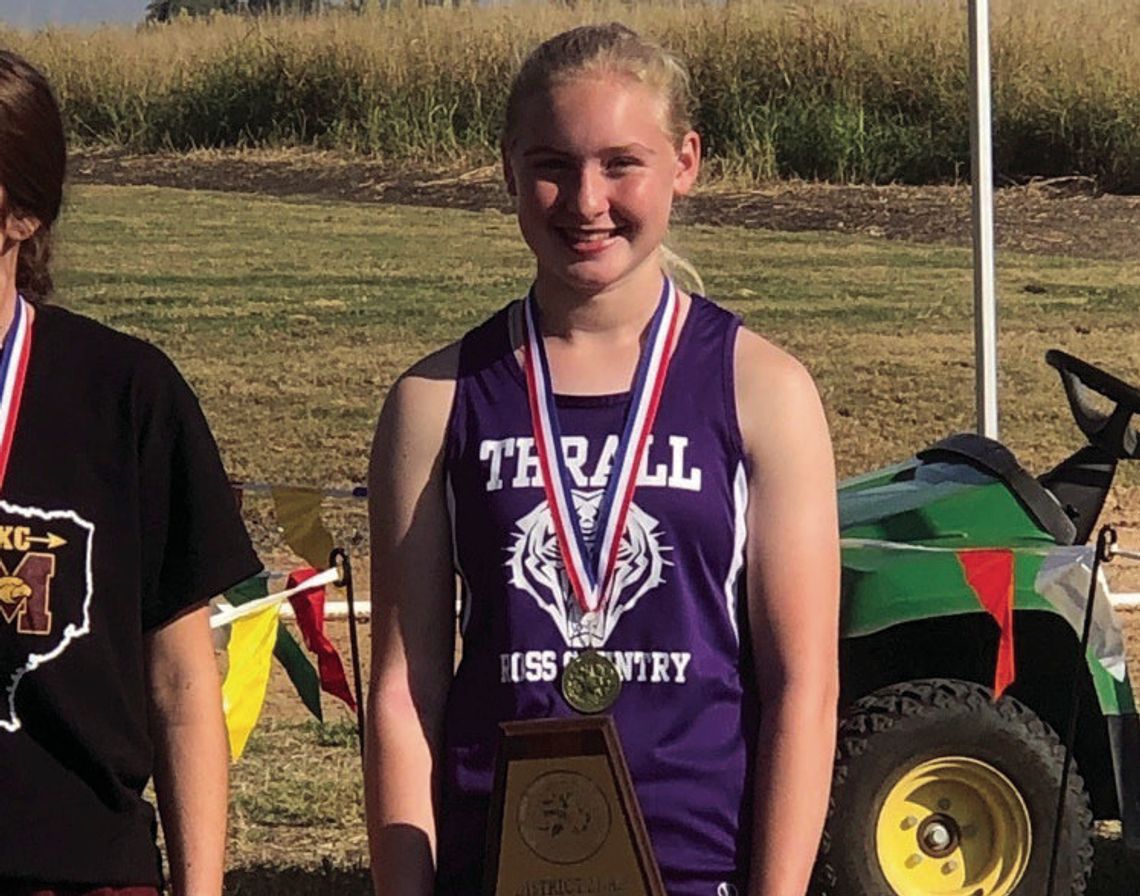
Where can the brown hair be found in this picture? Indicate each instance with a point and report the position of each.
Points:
(33, 163)
(611, 48)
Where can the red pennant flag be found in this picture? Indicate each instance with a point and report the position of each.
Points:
(310, 609)
(990, 574)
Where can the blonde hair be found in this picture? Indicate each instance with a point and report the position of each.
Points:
(614, 49)
(611, 48)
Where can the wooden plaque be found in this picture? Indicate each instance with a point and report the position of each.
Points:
(564, 817)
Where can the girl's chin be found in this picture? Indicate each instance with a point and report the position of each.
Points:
(589, 279)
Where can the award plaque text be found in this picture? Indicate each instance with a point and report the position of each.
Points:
(564, 817)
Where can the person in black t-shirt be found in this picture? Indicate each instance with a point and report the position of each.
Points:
(117, 524)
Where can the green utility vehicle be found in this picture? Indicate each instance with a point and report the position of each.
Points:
(963, 574)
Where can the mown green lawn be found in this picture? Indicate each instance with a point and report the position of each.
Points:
(292, 317)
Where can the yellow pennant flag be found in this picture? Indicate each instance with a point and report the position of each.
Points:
(250, 651)
(248, 633)
(299, 515)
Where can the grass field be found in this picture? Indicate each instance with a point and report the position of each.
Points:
(292, 317)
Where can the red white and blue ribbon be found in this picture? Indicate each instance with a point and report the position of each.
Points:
(589, 566)
(13, 368)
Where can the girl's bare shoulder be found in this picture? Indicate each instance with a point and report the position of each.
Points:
(776, 398)
(415, 412)
(767, 373)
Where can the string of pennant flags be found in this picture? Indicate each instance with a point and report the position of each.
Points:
(247, 620)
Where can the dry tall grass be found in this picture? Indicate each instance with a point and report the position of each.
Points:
(851, 90)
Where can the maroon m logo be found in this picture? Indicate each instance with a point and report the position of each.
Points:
(25, 594)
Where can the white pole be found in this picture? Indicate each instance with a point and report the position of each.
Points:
(981, 178)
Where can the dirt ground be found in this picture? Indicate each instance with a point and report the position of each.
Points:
(1062, 216)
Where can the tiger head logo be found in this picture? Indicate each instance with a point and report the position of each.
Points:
(535, 563)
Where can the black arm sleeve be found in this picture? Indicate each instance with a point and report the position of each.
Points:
(194, 543)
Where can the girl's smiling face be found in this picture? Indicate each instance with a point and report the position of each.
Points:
(594, 174)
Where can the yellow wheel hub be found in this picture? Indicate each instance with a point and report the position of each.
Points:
(953, 826)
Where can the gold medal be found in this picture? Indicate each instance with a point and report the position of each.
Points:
(590, 682)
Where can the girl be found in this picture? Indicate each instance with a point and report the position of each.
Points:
(117, 524)
(613, 464)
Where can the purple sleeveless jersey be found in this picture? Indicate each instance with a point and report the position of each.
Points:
(687, 711)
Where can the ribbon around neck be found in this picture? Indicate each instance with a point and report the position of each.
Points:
(590, 563)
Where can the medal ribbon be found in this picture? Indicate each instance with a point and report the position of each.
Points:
(13, 368)
(591, 570)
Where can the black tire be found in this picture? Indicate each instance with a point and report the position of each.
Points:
(884, 736)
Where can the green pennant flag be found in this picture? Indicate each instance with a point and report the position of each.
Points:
(299, 670)
(251, 589)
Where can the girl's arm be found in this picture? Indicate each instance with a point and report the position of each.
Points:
(191, 756)
(413, 626)
(792, 563)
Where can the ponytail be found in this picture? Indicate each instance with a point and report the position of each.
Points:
(681, 271)
(33, 267)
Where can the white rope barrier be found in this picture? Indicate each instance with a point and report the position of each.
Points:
(337, 609)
